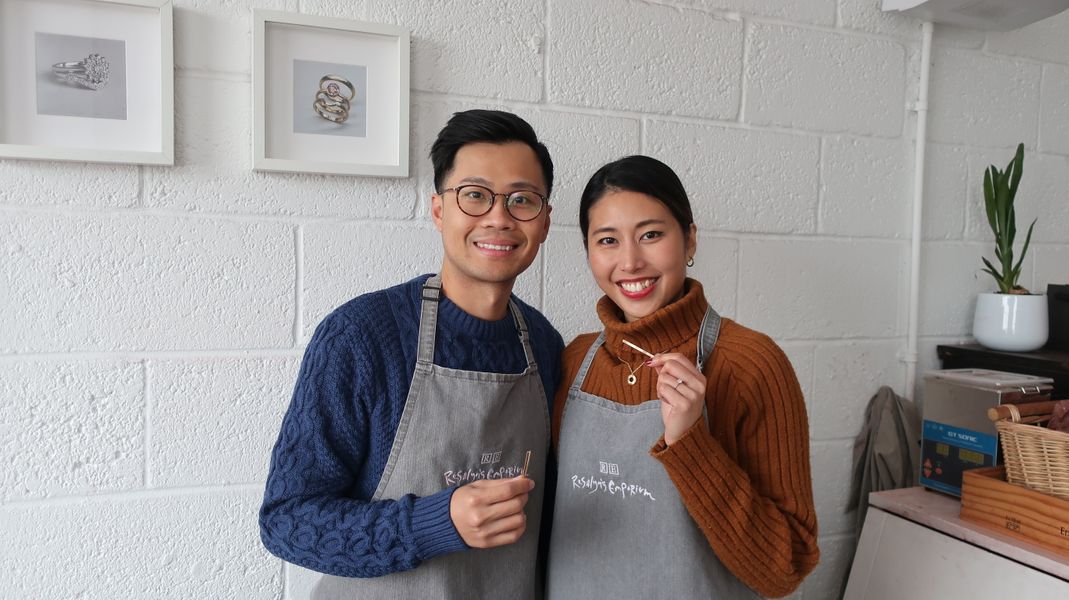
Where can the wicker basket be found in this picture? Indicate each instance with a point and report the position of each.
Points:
(1036, 457)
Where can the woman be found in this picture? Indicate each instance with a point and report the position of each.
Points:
(684, 475)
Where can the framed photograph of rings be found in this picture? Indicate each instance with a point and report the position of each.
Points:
(329, 95)
(87, 80)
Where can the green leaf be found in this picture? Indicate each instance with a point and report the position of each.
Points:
(1018, 169)
(1024, 250)
(991, 269)
(989, 198)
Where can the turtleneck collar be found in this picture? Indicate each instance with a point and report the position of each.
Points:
(664, 330)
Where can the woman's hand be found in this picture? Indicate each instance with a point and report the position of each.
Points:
(681, 388)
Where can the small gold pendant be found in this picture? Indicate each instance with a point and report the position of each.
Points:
(631, 379)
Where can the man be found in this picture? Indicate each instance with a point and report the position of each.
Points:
(397, 471)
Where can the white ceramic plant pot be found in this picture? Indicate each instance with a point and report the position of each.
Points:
(1011, 322)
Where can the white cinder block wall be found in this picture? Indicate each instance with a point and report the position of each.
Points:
(152, 319)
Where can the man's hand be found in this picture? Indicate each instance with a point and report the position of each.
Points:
(489, 513)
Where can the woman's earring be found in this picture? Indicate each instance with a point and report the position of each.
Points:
(690, 262)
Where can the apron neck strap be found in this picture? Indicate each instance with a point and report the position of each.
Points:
(428, 320)
(428, 323)
(521, 328)
(580, 377)
(707, 334)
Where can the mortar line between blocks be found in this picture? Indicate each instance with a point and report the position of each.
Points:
(747, 34)
(134, 495)
(820, 186)
(1039, 112)
(146, 372)
(142, 202)
(547, 24)
(134, 356)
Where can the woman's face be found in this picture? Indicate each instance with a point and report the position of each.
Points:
(637, 252)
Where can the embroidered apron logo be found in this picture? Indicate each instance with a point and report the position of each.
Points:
(468, 475)
(612, 487)
(606, 468)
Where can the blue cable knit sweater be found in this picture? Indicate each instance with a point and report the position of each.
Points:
(340, 426)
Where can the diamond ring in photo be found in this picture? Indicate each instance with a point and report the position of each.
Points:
(92, 72)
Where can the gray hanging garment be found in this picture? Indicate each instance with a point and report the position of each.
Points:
(887, 452)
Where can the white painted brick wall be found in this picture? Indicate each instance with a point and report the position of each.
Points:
(615, 60)
(742, 179)
(164, 546)
(125, 281)
(1051, 266)
(217, 36)
(831, 499)
(482, 48)
(950, 280)
(70, 428)
(866, 187)
(983, 100)
(823, 81)
(946, 184)
(844, 373)
(1054, 110)
(215, 420)
(859, 278)
(819, 12)
(88, 185)
(152, 318)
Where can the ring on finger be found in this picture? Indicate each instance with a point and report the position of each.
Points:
(679, 382)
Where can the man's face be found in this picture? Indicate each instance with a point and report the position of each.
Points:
(495, 247)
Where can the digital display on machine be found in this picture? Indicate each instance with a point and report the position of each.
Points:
(970, 456)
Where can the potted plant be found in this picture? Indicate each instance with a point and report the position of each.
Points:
(1012, 319)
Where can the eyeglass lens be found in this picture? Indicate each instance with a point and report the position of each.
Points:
(475, 201)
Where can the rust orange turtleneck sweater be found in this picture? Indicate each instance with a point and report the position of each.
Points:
(745, 477)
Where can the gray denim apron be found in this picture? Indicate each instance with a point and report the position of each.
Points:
(620, 529)
(459, 426)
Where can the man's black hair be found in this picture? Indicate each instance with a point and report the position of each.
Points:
(491, 126)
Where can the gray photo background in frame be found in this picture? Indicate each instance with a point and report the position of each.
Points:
(306, 76)
(55, 97)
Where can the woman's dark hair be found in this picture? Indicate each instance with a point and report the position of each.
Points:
(491, 126)
(640, 174)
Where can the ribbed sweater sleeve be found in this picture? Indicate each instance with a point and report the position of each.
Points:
(308, 518)
(752, 500)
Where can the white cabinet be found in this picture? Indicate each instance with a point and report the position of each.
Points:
(913, 546)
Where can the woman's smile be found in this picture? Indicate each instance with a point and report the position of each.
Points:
(637, 288)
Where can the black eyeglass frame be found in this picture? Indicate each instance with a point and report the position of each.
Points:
(493, 200)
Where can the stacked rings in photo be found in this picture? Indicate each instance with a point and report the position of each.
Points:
(91, 72)
(329, 103)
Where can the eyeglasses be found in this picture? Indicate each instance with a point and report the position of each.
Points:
(476, 201)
